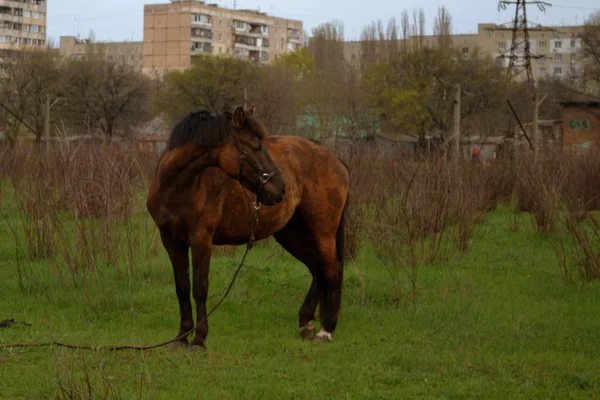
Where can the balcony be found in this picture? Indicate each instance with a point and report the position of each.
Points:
(294, 35)
(246, 42)
(293, 46)
(201, 48)
(202, 20)
(33, 5)
(199, 33)
(11, 18)
(258, 31)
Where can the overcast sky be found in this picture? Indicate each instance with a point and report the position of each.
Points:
(118, 20)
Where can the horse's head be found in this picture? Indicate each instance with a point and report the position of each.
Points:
(246, 157)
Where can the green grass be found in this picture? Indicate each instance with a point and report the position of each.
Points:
(494, 323)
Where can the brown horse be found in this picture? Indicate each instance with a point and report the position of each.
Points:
(198, 199)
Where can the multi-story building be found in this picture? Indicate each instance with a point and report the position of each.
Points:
(129, 54)
(176, 32)
(22, 27)
(557, 51)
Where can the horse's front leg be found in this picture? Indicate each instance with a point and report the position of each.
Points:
(178, 254)
(201, 245)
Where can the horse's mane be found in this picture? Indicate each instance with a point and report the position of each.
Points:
(208, 130)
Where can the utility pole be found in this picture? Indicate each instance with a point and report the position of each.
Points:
(520, 50)
(47, 124)
(47, 121)
(536, 131)
(457, 123)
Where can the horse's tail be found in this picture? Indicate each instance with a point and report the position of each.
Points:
(340, 242)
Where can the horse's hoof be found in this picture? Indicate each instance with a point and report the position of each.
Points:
(307, 332)
(323, 337)
(195, 348)
(178, 345)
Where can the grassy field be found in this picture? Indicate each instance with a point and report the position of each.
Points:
(495, 322)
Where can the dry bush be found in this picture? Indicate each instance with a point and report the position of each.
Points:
(539, 189)
(577, 247)
(477, 189)
(79, 208)
(580, 253)
(407, 219)
(361, 166)
(80, 381)
(582, 189)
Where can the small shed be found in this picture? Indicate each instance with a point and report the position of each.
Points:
(152, 144)
(581, 126)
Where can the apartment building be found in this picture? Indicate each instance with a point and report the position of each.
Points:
(557, 52)
(176, 32)
(22, 27)
(129, 54)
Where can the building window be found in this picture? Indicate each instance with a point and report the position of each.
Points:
(543, 71)
(276, 45)
(502, 46)
(572, 71)
(558, 57)
(202, 18)
(557, 71)
(558, 44)
(465, 51)
(542, 45)
(572, 44)
(542, 60)
(572, 58)
(220, 37)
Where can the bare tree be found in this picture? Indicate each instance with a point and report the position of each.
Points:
(442, 28)
(590, 52)
(29, 82)
(392, 37)
(405, 26)
(104, 95)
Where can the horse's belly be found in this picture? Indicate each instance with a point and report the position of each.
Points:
(236, 222)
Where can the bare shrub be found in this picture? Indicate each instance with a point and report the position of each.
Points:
(81, 209)
(539, 188)
(578, 248)
(477, 189)
(408, 219)
(582, 188)
(79, 381)
(577, 244)
(361, 166)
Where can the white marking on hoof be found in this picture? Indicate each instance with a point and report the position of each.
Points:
(324, 335)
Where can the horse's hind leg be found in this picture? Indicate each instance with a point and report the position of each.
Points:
(201, 244)
(178, 254)
(298, 241)
(332, 272)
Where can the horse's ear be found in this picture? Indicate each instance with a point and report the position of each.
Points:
(252, 109)
(239, 118)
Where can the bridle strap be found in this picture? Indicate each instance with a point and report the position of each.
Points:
(262, 176)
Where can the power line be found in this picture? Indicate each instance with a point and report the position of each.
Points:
(576, 7)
